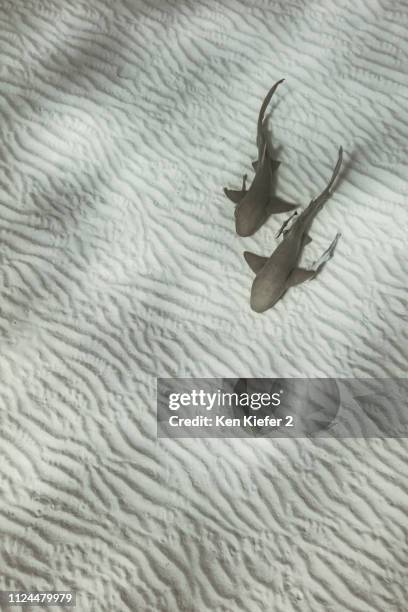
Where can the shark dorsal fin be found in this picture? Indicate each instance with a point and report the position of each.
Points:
(255, 262)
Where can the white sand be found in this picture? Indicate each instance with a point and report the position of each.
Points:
(121, 123)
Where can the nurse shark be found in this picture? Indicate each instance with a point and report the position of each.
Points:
(256, 204)
(277, 273)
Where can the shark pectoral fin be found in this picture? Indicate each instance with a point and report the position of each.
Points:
(323, 259)
(307, 240)
(255, 164)
(255, 262)
(236, 195)
(299, 275)
(277, 205)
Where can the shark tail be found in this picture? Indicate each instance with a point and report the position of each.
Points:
(317, 203)
(264, 106)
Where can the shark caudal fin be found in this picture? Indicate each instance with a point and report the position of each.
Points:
(317, 203)
(267, 99)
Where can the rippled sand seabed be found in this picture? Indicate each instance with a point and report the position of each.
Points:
(121, 122)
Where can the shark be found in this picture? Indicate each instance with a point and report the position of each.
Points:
(274, 275)
(255, 205)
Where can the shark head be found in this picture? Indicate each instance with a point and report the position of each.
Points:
(247, 222)
(263, 296)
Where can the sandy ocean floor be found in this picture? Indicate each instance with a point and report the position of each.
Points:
(121, 122)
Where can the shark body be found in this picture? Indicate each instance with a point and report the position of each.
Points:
(255, 205)
(280, 271)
